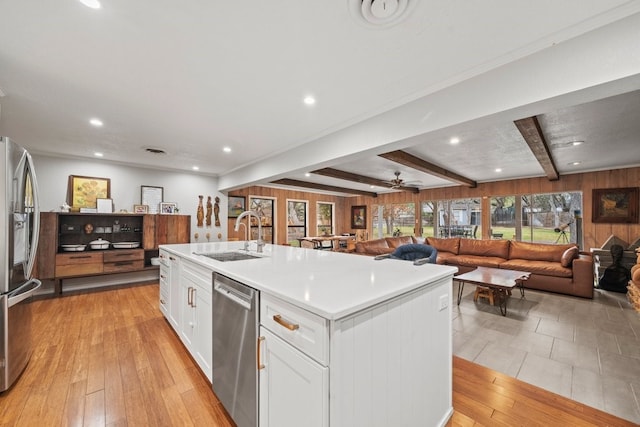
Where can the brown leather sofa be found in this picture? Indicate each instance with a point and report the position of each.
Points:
(555, 268)
(386, 245)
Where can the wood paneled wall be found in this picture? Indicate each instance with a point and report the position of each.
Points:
(594, 234)
(341, 204)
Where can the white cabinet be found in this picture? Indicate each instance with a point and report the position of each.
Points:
(170, 288)
(377, 367)
(294, 382)
(196, 318)
(294, 389)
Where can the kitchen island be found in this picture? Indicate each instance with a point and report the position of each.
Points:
(344, 340)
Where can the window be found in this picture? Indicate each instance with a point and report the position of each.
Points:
(427, 215)
(264, 207)
(324, 218)
(397, 219)
(538, 218)
(458, 218)
(296, 220)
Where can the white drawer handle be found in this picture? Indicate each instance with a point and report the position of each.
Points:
(290, 326)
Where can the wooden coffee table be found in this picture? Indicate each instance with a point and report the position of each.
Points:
(498, 280)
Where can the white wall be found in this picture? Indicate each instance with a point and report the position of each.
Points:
(182, 188)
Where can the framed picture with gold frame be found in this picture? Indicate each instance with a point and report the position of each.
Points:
(84, 191)
(140, 209)
(359, 217)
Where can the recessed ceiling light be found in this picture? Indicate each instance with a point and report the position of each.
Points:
(574, 163)
(227, 149)
(96, 122)
(498, 169)
(93, 4)
(454, 140)
(309, 100)
(307, 174)
(98, 154)
(574, 143)
(195, 168)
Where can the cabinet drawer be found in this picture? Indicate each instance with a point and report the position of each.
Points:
(123, 255)
(309, 332)
(78, 269)
(78, 258)
(198, 275)
(122, 266)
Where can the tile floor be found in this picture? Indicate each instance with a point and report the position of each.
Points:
(587, 350)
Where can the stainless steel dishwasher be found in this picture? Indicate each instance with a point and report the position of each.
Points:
(235, 333)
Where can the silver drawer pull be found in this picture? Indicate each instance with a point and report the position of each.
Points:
(290, 326)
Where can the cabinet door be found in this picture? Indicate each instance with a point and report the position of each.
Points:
(175, 291)
(294, 389)
(203, 333)
(172, 229)
(187, 314)
(164, 291)
(47, 246)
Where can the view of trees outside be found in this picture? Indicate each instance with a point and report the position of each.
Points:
(296, 220)
(264, 207)
(539, 218)
(324, 219)
(426, 212)
(397, 219)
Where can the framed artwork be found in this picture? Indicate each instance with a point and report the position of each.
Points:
(104, 205)
(615, 205)
(152, 197)
(168, 208)
(359, 217)
(84, 191)
(140, 209)
(236, 205)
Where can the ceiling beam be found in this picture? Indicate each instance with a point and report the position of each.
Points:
(305, 184)
(532, 134)
(414, 162)
(362, 179)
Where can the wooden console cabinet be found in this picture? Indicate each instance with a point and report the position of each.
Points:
(148, 230)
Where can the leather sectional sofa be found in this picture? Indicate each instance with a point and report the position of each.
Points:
(555, 268)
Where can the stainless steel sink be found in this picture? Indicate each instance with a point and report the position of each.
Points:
(229, 256)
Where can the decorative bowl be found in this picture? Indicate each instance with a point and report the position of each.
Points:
(99, 244)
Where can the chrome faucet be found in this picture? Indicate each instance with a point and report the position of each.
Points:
(248, 214)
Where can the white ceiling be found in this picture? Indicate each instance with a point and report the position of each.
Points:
(191, 77)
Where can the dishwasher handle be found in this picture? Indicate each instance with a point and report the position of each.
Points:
(233, 295)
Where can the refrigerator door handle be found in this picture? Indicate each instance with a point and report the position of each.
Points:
(23, 292)
(35, 227)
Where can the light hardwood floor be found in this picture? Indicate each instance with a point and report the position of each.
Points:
(108, 358)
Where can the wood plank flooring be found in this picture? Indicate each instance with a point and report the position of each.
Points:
(108, 358)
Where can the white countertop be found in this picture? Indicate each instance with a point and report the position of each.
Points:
(330, 284)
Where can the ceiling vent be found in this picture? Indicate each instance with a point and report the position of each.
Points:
(155, 151)
(380, 13)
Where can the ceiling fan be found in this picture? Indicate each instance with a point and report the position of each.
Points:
(397, 182)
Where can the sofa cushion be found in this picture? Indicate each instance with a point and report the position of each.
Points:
(537, 251)
(569, 255)
(445, 257)
(476, 261)
(373, 247)
(445, 245)
(488, 248)
(395, 242)
(543, 268)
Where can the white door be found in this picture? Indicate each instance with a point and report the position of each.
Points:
(187, 313)
(203, 337)
(294, 389)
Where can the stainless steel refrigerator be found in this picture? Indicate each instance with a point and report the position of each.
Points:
(19, 226)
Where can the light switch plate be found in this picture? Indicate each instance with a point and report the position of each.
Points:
(444, 302)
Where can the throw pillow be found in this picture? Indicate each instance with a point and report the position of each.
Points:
(568, 256)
